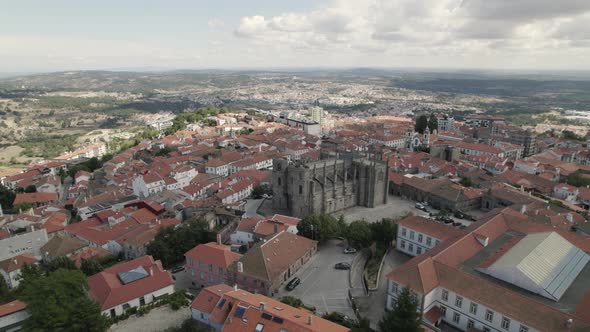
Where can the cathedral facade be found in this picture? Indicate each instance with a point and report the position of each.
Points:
(329, 185)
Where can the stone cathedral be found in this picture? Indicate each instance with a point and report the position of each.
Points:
(329, 185)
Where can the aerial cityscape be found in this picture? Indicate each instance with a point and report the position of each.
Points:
(317, 166)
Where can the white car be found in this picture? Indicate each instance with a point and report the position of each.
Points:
(349, 250)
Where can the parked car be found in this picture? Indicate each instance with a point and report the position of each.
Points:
(456, 224)
(349, 250)
(189, 295)
(177, 269)
(293, 283)
(342, 266)
(419, 206)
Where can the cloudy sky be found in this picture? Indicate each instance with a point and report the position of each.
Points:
(489, 34)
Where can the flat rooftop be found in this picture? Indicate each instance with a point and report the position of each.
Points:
(568, 302)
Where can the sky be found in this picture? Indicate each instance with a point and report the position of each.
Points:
(252, 34)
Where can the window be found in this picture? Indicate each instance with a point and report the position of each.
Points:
(456, 317)
(428, 241)
(437, 242)
(279, 181)
(394, 287)
(300, 189)
(443, 311)
(259, 327)
(411, 247)
(403, 231)
(411, 235)
(202, 276)
(486, 329)
(418, 250)
(420, 238)
(505, 323)
(445, 295)
(210, 267)
(470, 323)
(458, 301)
(220, 270)
(523, 329)
(403, 244)
(473, 308)
(489, 315)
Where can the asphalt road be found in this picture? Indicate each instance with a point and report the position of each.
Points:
(251, 208)
(321, 285)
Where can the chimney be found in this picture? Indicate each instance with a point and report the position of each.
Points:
(262, 304)
(569, 323)
(151, 271)
(235, 287)
(219, 239)
(240, 266)
(309, 319)
(276, 227)
(569, 217)
(15, 261)
(523, 209)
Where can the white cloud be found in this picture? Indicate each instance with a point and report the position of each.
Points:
(449, 28)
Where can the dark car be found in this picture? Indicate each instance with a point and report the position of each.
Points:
(177, 269)
(293, 283)
(342, 266)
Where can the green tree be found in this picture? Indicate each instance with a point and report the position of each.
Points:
(319, 227)
(21, 207)
(466, 182)
(432, 123)
(404, 316)
(91, 266)
(31, 189)
(5, 294)
(189, 325)
(384, 232)
(61, 262)
(177, 300)
(421, 123)
(7, 196)
(259, 191)
(171, 243)
(292, 301)
(60, 302)
(355, 326)
(359, 234)
(577, 179)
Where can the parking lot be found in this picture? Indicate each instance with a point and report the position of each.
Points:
(322, 285)
(396, 207)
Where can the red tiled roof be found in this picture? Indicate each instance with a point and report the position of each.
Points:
(293, 319)
(212, 253)
(35, 198)
(12, 307)
(209, 297)
(16, 262)
(109, 291)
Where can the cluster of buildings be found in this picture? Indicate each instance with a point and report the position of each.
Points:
(527, 240)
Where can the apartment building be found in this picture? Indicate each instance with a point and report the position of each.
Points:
(505, 273)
